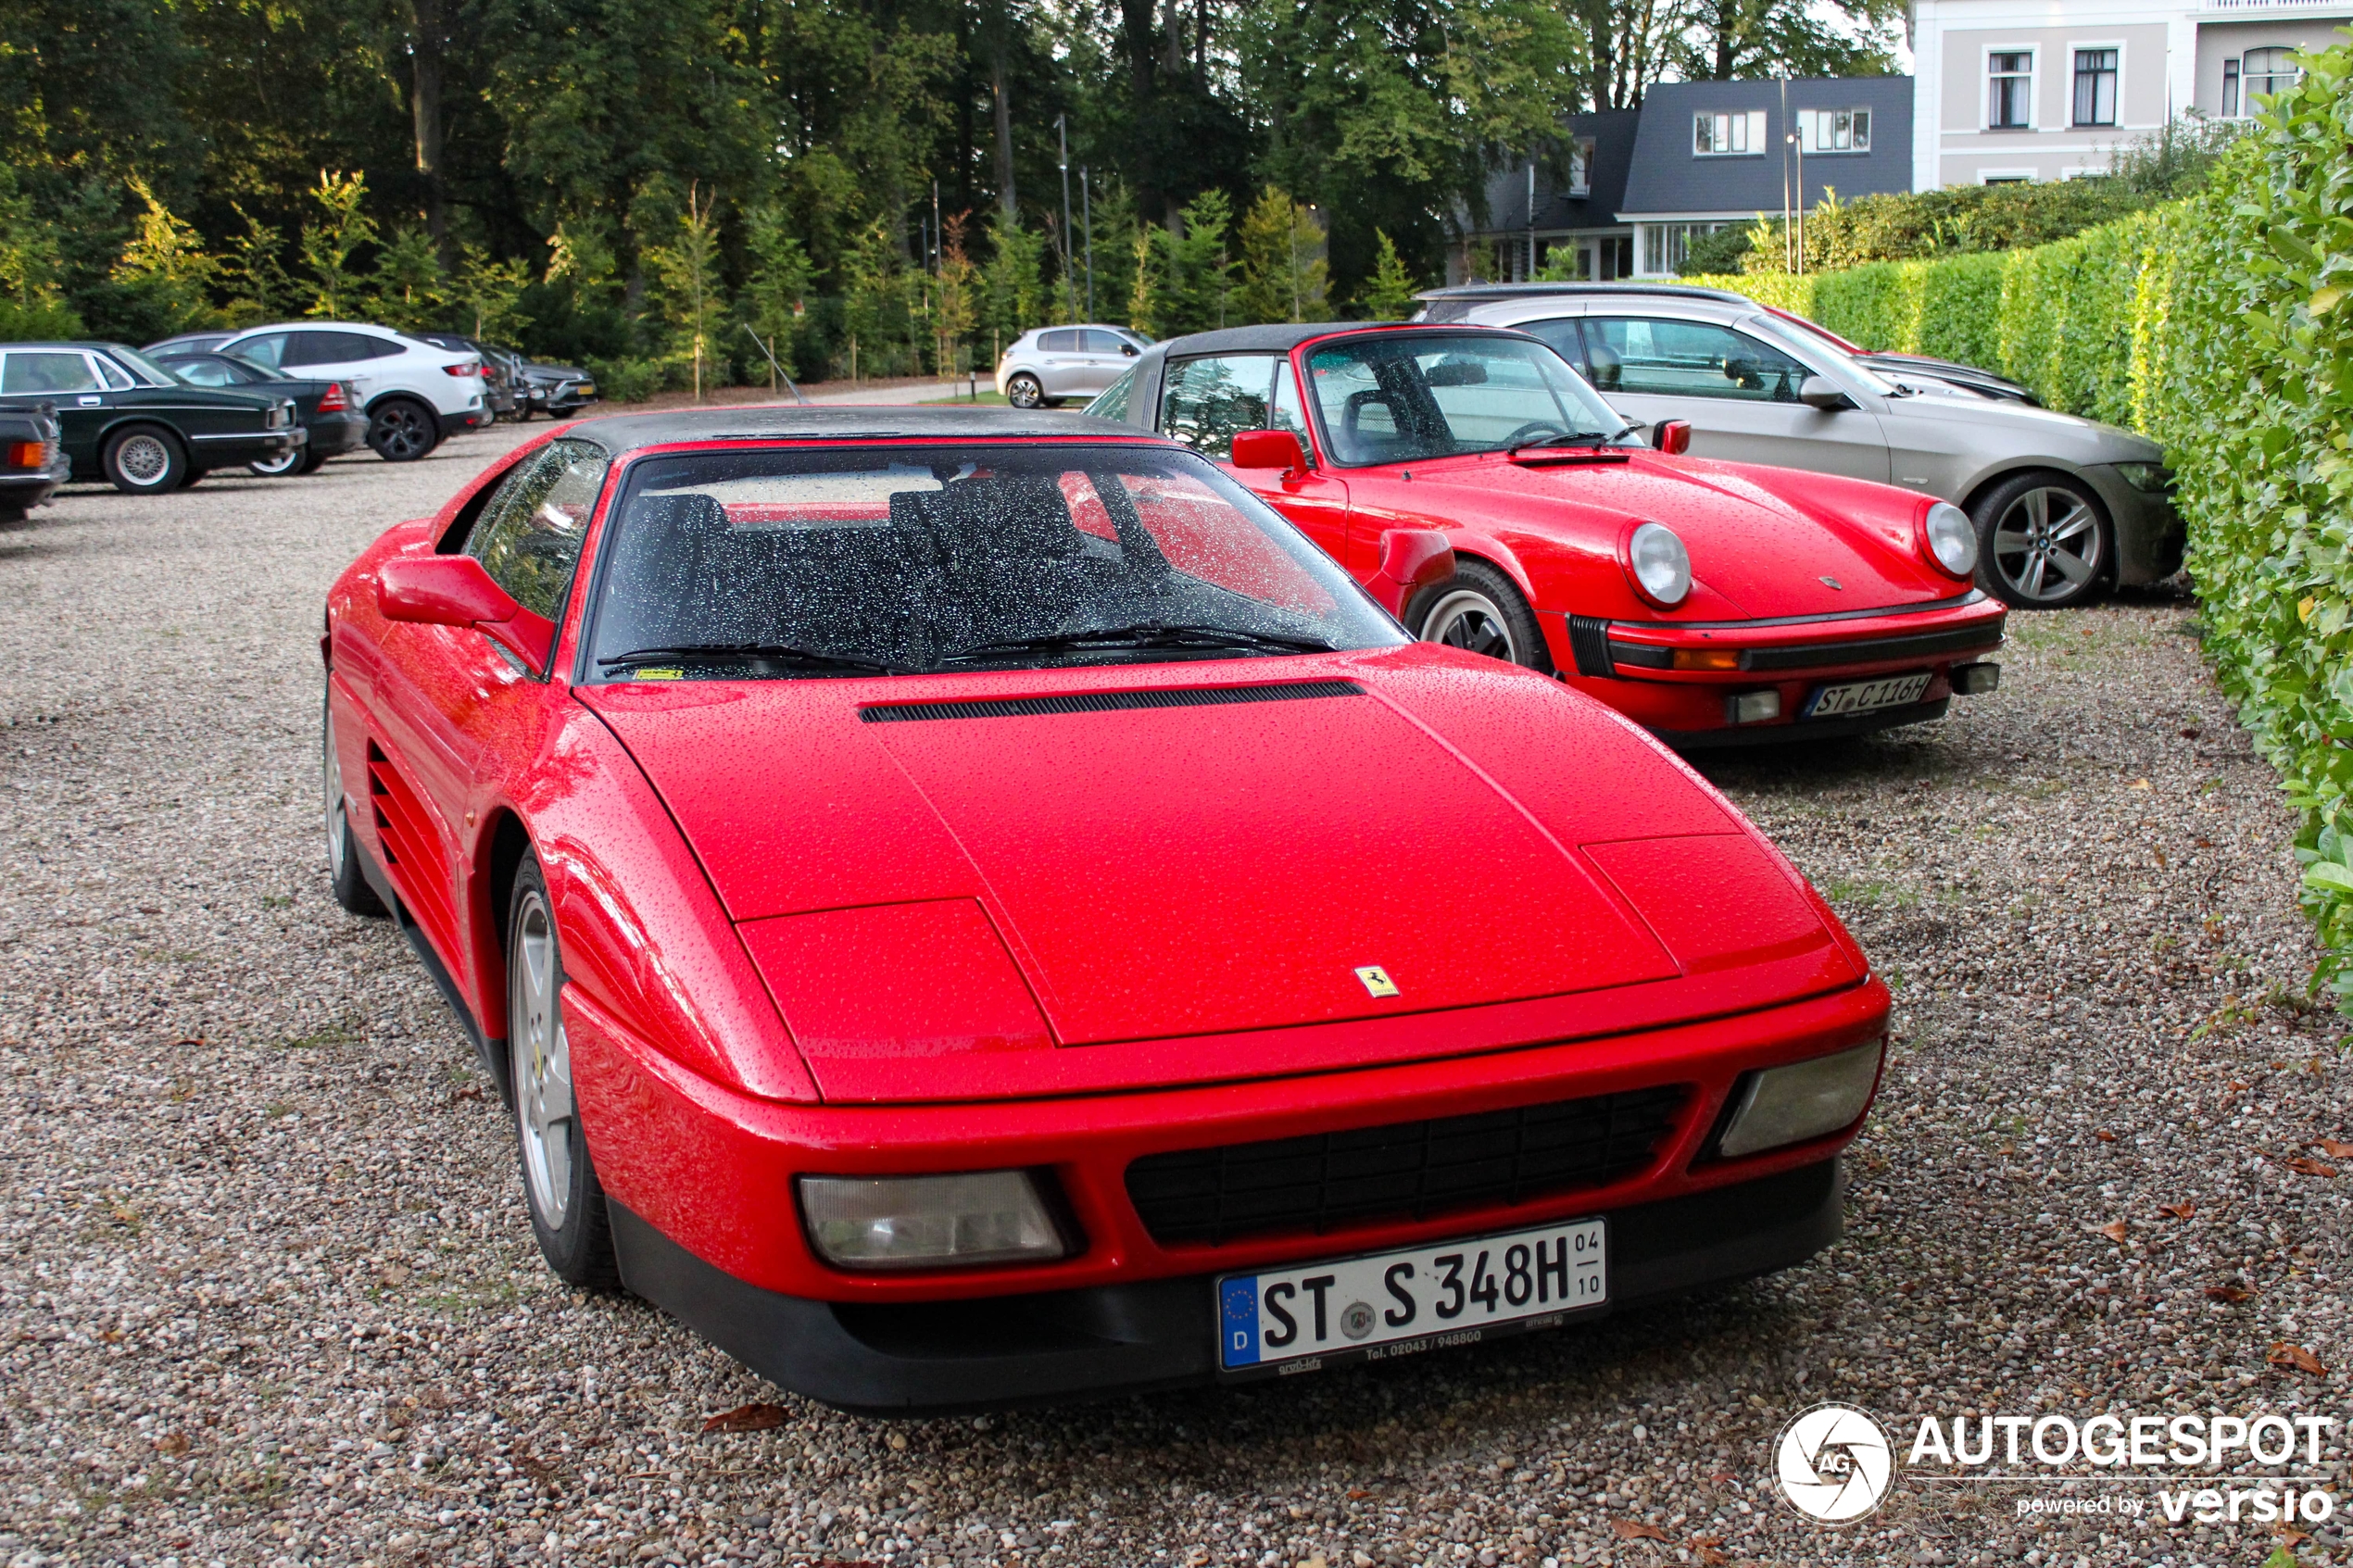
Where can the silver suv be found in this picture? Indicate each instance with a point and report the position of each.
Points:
(1047, 364)
(2063, 506)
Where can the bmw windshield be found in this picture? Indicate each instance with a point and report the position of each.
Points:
(776, 562)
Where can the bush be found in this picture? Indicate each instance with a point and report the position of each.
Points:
(630, 381)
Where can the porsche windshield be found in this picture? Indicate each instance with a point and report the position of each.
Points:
(1411, 397)
(795, 562)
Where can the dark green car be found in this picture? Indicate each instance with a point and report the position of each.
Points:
(129, 420)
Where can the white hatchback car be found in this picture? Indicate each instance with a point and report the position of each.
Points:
(414, 394)
(1047, 364)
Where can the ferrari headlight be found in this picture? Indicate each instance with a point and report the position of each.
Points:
(1951, 539)
(929, 1221)
(1805, 1099)
(1660, 566)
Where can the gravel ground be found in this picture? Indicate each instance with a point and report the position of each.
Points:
(267, 1294)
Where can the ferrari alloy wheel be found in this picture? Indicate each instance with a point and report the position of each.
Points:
(351, 885)
(560, 1183)
(145, 460)
(1479, 610)
(1024, 392)
(2043, 541)
(402, 430)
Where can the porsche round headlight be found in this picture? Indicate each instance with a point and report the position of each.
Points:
(1951, 539)
(1659, 563)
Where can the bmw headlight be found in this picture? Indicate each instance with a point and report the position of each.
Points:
(1951, 539)
(2149, 479)
(929, 1221)
(1660, 567)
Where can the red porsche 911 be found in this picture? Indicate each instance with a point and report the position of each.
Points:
(968, 907)
(1715, 603)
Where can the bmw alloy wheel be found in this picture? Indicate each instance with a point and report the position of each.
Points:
(541, 1062)
(1467, 619)
(2048, 545)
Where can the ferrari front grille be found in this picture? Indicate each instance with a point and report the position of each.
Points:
(1404, 1171)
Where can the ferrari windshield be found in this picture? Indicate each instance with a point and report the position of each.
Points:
(1409, 396)
(793, 562)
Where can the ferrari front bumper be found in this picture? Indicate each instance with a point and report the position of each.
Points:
(924, 1358)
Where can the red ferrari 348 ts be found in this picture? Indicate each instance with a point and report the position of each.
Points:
(1716, 603)
(970, 908)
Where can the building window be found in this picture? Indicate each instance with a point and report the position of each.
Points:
(1834, 130)
(2230, 89)
(1665, 246)
(1581, 167)
(2009, 90)
(2263, 72)
(2095, 87)
(1723, 135)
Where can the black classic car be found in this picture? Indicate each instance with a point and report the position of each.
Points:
(329, 409)
(129, 420)
(33, 464)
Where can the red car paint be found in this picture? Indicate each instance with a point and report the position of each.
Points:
(796, 942)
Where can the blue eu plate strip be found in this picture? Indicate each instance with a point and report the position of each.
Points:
(1238, 1325)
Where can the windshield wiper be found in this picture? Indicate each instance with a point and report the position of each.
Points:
(745, 653)
(1145, 635)
(1566, 438)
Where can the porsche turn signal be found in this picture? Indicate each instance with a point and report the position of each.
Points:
(1706, 659)
(929, 1221)
(1805, 1099)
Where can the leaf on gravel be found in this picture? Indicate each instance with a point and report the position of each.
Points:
(2333, 1148)
(2309, 1167)
(745, 1418)
(2104, 1135)
(1713, 1558)
(2286, 1355)
(2138, 784)
(2229, 1293)
(1634, 1530)
(2178, 1211)
(2114, 1231)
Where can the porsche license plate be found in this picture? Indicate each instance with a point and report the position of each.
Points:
(1861, 697)
(1390, 1304)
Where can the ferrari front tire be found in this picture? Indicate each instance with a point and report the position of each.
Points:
(1480, 610)
(344, 877)
(560, 1183)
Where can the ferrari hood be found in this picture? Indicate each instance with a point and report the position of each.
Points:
(1306, 856)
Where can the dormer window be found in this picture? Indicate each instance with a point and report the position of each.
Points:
(1727, 135)
(1834, 130)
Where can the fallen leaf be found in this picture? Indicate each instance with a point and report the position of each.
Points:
(1713, 1558)
(173, 1443)
(2239, 1086)
(197, 1041)
(2309, 1167)
(1632, 1530)
(745, 1418)
(2138, 784)
(2114, 1231)
(2286, 1355)
(2229, 1293)
(2104, 1135)
(2007, 1149)
(474, 1093)
(1358, 1494)
(2178, 1211)
(2332, 1147)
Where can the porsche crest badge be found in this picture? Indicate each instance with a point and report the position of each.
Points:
(1377, 981)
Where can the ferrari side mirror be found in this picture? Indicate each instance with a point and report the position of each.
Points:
(456, 591)
(1269, 450)
(1410, 559)
(1672, 437)
(1817, 392)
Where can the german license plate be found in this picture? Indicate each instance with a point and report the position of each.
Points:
(1861, 697)
(1390, 1304)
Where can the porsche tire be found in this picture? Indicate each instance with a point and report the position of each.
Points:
(1480, 610)
(344, 877)
(2043, 541)
(145, 460)
(1025, 391)
(560, 1183)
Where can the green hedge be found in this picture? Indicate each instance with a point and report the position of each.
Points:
(2221, 326)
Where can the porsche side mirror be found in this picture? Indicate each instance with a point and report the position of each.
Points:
(1269, 450)
(1817, 392)
(1672, 436)
(1410, 559)
(456, 591)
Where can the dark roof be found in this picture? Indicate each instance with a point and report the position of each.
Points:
(764, 421)
(1611, 133)
(1275, 337)
(1668, 177)
(1463, 296)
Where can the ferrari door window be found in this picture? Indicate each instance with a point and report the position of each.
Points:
(1205, 402)
(1667, 358)
(47, 371)
(1411, 397)
(781, 563)
(528, 536)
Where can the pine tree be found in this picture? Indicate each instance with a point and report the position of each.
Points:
(411, 288)
(1284, 275)
(1387, 294)
(692, 300)
(1012, 283)
(489, 293)
(778, 288)
(165, 261)
(255, 274)
(873, 300)
(337, 290)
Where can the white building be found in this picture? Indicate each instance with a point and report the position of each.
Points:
(2047, 89)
